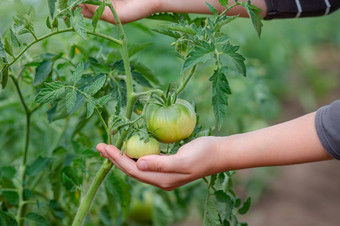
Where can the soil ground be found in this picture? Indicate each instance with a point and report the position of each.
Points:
(307, 194)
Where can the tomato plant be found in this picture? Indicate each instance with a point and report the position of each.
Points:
(77, 86)
(171, 123)
(137, 147)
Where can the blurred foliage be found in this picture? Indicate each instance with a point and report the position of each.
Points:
(295, 64)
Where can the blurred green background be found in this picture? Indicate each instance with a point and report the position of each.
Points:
(293, 69)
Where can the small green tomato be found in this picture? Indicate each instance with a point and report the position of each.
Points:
(135, 147)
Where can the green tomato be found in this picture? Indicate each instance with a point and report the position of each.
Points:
(135, 147)
(171, 123)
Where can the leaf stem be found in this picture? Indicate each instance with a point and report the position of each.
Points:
(185, 82)
(116, 41)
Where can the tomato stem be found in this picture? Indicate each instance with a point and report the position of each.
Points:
(107, 165)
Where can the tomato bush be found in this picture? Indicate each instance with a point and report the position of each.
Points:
(84, 87)
(171, 123)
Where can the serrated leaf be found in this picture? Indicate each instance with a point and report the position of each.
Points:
(7, 219)
(71, 98)
(37, 166)
(51, 92)
(62, 4)
(42, 71)
(103, 100)
(180, 28)
(211, 8)
(97, 15)
(4, 76)
(37, 219)
(245, 207)
(200, 54)
(71, 2)
(237, 58)
(255, 16)
(12, 197)
(8, 46)
(51, 6)
(220, 91)
(78, 72)
(135, 48)
(140, 79)
(211, 217)
(90, 106)
(2, 50)
(97, 85)
(70, 177)
(78, 23)
(221, 196)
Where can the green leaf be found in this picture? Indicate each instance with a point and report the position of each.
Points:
(104, 99)
(78, 73)
(97, 15)
(2, 50)
(8, 172)
(78, 23)
(146, 71)
(116, 185)
(224, 2)
(211, 8)
(42, 71)
(7, 219)
(135, 48)
(180, 28)
(37, 219)
(8, 46)
(71, 2)
(51, 92)
(140, 79)
(12, 197)
(255, 16)
(70, 178)
(97, 85)
(37, 166)
(51, 6)
(220, 91)
(199, 54)
(71, 98)
(4, 76)
(211, 217)
(48, 23)
(238, 59)
(245, 207)
(221, 196)
(90, 106)
(62, 4)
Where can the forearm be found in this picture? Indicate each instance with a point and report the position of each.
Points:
(292, 142)
(199, 6)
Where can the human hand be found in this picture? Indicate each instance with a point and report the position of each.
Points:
(194, 160)
(127, 10)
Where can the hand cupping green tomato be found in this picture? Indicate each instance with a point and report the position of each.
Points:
(168, 124)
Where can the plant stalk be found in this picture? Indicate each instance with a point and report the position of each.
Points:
(107, 165)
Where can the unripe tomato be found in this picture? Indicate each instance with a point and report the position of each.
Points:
(136, 147)
(171, 123)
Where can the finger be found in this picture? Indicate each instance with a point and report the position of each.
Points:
(165, 181)
(164, 163)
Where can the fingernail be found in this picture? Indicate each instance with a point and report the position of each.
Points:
(142, 165)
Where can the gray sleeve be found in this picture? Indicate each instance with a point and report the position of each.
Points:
(327, 124)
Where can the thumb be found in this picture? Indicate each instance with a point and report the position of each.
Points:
(161, 163)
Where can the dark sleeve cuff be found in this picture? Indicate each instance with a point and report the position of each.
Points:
(327, 124)
(299, 8)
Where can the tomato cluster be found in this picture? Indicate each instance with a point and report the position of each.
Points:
(168, 124)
